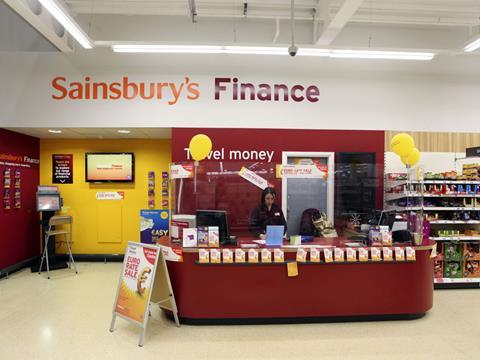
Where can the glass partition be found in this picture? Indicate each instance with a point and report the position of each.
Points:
(350, 189)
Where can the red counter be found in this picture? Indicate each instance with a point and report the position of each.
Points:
(263, 293)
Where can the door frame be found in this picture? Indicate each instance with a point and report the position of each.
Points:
(330, 181)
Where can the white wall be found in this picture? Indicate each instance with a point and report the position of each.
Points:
(441, 95)
(17, 35)
(435, 162)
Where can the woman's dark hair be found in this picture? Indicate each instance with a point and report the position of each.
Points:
(265, 192)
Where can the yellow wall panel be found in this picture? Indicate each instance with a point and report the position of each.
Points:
(105, 226)
(110, 222)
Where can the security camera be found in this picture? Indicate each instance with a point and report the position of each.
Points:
(292, 50)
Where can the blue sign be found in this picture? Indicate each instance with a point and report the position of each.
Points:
(153, 225)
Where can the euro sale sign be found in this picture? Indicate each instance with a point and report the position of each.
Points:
(136, 281)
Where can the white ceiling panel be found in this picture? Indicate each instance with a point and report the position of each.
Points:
(96, 133)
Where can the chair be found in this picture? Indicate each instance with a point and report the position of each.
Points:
(53, 222)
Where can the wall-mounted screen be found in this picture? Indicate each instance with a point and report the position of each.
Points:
(111, 167)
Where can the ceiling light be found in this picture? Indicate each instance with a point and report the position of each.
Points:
(472, 46)
(389, 55)
(313, 52)
(62, 16)
(123, 131)
(54, 131)
(174, 49)
(265, 50)
(255, 50)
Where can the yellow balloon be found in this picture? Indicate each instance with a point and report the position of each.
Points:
(200, 146)
(412, 158)
(402, 144)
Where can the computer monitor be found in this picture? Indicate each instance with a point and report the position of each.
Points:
(215, 218)
(275, 235)
(387, 218)
(49, 202)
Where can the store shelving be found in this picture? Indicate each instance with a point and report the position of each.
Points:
(456, 238)
(436, 182)
(438, 200)
(456, 281)
(455, 222)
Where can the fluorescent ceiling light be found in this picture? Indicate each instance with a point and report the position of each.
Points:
(123, 131)
(173, 49)
(392, 55)
(62, 16)
(474, 45)
(265, 50)
(256, 50)
(53, 131)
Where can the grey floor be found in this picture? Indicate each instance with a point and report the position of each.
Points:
(68, 317)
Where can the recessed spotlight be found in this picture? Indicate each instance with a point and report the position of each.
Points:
(53, 131)
(122, 131)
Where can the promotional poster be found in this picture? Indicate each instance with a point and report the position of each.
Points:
(153, 225)
(136, 282)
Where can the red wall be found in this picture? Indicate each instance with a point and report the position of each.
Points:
(19, 229)
(283, 140)
(278, 140)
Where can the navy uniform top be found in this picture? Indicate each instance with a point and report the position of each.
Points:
(261, 217)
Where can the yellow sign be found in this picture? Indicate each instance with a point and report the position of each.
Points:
(292, 269)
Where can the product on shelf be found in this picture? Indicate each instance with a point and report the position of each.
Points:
(453, 252)
(471, 251)
(471, 269)
(397, 176)
(438, 269)
(471, 171)
(453, 270)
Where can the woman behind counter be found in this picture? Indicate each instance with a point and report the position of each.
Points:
(267, 213)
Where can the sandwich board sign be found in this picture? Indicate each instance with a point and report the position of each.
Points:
(144, 280)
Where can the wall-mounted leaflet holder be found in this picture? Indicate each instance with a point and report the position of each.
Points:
(7, 182)
(18, 186)
(151, 189)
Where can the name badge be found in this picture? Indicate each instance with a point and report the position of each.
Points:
(277, 214)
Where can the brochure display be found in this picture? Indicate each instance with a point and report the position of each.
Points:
(141, 283)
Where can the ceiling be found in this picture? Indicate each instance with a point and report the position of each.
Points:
(407, 12)
(96, 133)
(16, 34)
(444, 25)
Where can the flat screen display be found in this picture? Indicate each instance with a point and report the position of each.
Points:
(214, 218)
(48, 202)
(112, 167)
